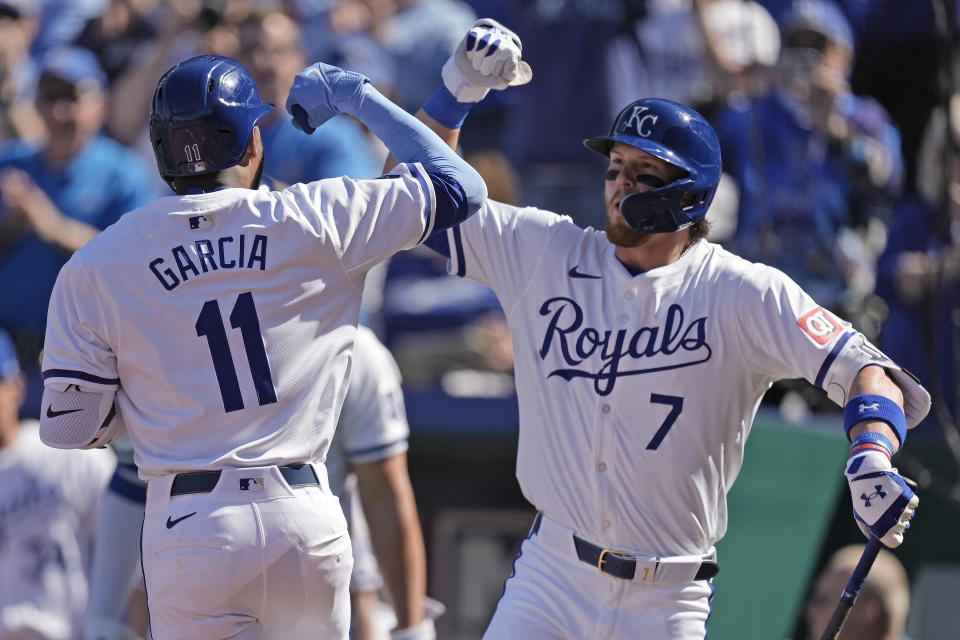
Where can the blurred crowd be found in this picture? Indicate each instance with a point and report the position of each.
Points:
(839, 124)
(835, 120)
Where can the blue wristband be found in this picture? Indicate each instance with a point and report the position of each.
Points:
(445, 109)
(870, 406)
(870, 440)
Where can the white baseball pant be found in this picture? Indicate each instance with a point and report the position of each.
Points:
(252, 558)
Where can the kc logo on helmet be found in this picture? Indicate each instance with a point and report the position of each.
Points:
(820, 325)
(640, 121)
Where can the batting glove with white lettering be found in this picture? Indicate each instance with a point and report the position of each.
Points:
(320, 92)
(487, 58)
(883, 503)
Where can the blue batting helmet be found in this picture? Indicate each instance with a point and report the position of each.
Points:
(676, 134)
(203, 113)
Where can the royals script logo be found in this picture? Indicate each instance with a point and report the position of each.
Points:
(624, 352)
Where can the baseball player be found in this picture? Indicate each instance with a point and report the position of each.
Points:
(48, 514)
(371, 438)
(218, 326)
(642, 353)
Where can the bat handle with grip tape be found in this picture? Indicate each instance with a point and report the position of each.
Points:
(852, 590)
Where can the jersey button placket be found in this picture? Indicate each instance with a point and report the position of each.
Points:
(606, 492)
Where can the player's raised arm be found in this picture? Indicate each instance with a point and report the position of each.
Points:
(322, 91)
(488, 57)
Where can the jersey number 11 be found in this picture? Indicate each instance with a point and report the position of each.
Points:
(243, 317)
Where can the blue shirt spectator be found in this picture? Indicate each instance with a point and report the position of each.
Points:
(918, 275)
(815, 166)
(58, 195)
(920, 304)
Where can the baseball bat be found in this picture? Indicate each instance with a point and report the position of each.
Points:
(852, 590)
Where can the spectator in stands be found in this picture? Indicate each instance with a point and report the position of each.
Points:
(271, 49)
(880, 612)
(817, 167)
(18, 117)
(564, 41)
(61, 22)
(48, 512)
(56, 196)
(184, 29)
(118, 33)
(918, 274)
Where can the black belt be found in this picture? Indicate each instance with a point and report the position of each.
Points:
(618, 565)
(296, 475)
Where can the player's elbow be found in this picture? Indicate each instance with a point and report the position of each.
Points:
(459, 195)
(475, 190)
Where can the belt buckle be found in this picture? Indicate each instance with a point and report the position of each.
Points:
(601, 561)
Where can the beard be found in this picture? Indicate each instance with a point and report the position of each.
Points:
(620, 233)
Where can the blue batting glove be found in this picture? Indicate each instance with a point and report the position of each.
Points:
(883, 503)
(322, 91)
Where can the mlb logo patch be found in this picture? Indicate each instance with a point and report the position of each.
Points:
(200, 223)
(820, 325)
(251, 484)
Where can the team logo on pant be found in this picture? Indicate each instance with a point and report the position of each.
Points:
(820, 325)
(251, 484)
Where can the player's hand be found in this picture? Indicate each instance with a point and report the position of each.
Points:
(322, 91)
(489, 57)
(883, 502)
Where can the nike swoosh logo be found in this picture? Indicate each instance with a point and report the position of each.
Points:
(574, 273)
(53, 414)
(171, 523)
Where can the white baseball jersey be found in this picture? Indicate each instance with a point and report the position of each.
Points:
(226, 320)
(373, 421)
(637, 393)
(373, 426)
(48, 515)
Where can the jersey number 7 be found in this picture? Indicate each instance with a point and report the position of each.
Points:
(676, 406)
(243, 317)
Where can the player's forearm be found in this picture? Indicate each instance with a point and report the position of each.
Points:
(410, 140)
(874, 380)
(451, 137)
(395, 532)
(401, 555)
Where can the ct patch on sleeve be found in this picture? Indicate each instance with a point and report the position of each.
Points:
(820, 325)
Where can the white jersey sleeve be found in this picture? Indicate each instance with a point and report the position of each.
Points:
(783, 333)
(76, 312)
(373, 422)
(500, 242)
(352, 209)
